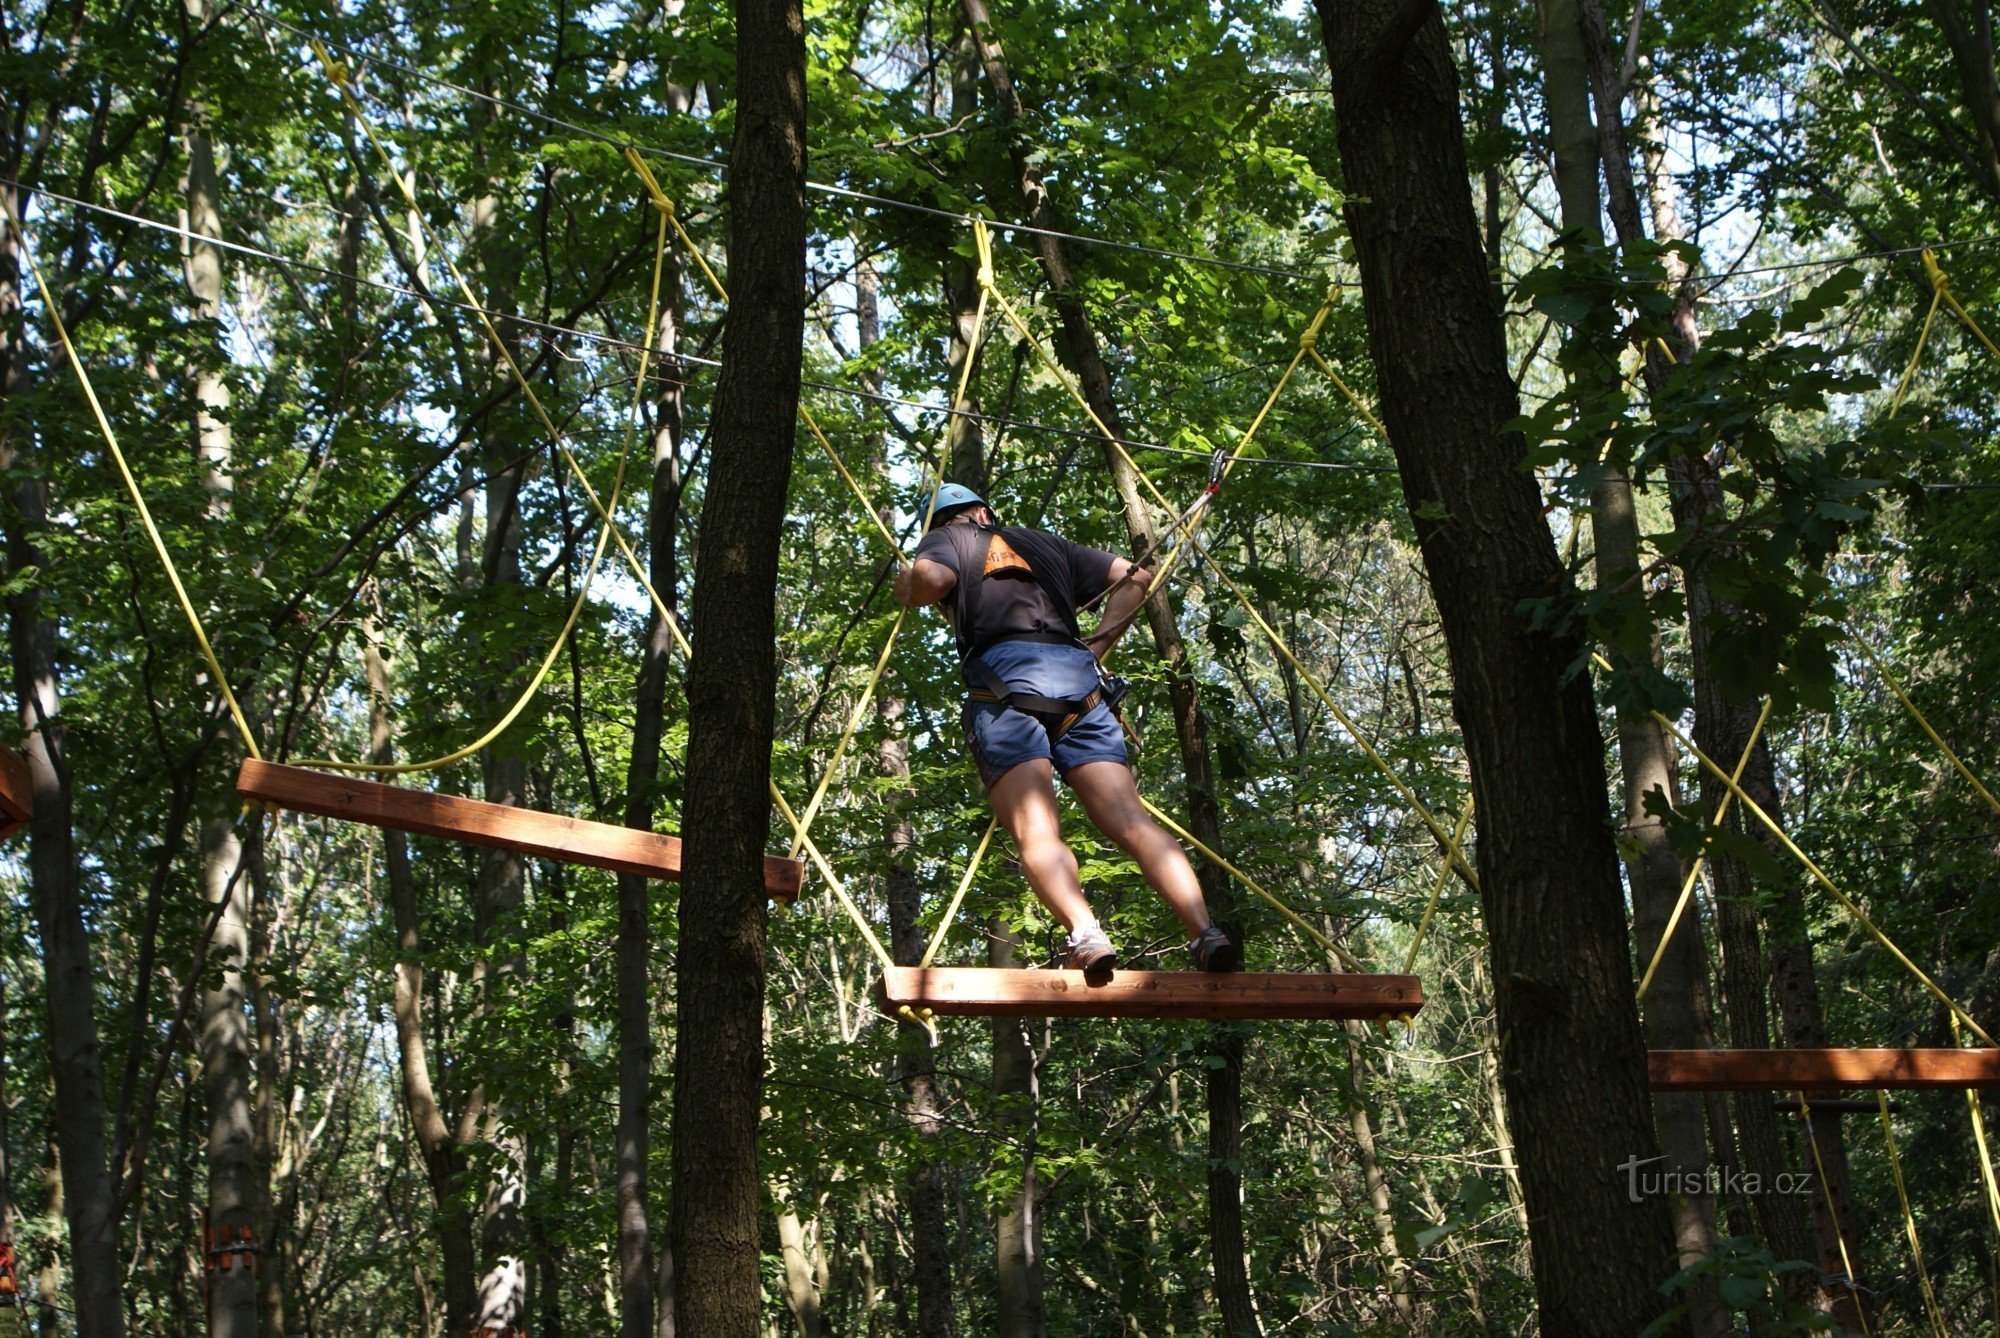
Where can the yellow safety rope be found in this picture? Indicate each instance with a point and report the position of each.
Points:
(132, 486)
(1818, 874)
(1938, 1328)
(1694, 870)
(964, 883)
(337, 75)
(1298, 921)
(1950, 754)
(1832, 1212)
(1923, 338)
(1940, 286)
(1437, 890)
(1986, 1174)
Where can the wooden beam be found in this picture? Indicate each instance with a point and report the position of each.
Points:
(1821, 1070)
(602, 845)
(17, 792)
(993, 992)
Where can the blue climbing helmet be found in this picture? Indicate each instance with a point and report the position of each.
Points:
(950, 498)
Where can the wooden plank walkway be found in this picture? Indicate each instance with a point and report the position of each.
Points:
(602, 845)
(1821, 1070)
(995, 992)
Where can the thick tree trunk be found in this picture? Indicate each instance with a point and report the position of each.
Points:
(1226, 1043)
(1573, 1062)
(719, 1049)
(444, 1167)
(1645, 757)
(636, 1269)
(89, 1198)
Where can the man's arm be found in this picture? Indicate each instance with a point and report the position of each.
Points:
(923, 582)
(1128, 586)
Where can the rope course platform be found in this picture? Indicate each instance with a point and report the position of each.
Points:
(17, 792)
(1822, 1070)
(979, 991)
(601, 845)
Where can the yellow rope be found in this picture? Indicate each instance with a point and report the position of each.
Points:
(1909, 1219)
(1818, 875)
(1917, 353)
(854, 719)
(1943, 288)
(1360, 405)
(964, 883)
(132, 487)
(1299, 922)
(337, 75)
(1832, 1212)
(1910, 706)
(1986, 1175)
(1437, 889)
(1694, 870)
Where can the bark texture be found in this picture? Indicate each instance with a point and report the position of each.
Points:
(89, 1197)
(1573, 1059)
(719, 1048)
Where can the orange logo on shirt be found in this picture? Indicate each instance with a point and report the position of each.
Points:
(1001, 557)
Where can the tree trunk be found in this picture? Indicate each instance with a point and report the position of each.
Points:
(719, 1049)
(1572, 65)
(1016, 1092)
(1226, 1043)
(1380, 1208)
(500, 888)
(89, 1198)
(1723, 728)
(916, 1065)
(1573, 1062)
(224, 1029)
(636, 1269)
(444, 1166)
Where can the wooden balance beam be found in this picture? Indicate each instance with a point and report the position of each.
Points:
(1821, 1070)
(601, 845)
(996, 992)
(17, 792)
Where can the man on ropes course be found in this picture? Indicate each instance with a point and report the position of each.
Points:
(1041, 702)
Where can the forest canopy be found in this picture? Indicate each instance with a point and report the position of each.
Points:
(411, 328)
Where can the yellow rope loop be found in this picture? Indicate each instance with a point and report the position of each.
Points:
(983, 242)
(923, 1017)
(1932, 271)
(652, 183)
(1988, 1179)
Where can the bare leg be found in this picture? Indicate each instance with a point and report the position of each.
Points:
(1024, 799)
(1111, 799)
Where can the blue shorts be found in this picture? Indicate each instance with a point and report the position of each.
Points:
(1001, 738)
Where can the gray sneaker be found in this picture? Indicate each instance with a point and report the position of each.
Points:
(1091, 953)
(1214, 950)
